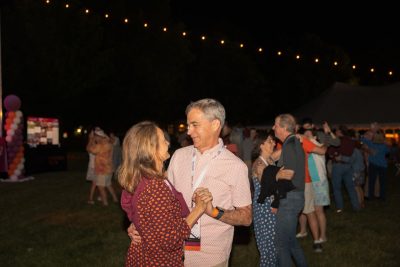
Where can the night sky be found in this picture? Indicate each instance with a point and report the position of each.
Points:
(368, 33)
(49, 49)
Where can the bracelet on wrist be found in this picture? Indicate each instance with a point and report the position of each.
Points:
(214, 213)
(220, 213)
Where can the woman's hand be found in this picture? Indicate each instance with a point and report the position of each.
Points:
(202, 198)
(134, 234)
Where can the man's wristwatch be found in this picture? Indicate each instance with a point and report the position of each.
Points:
(220, 213)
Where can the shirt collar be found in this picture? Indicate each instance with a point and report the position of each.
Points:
(212, 151)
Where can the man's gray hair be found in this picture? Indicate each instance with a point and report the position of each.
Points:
(288, 122)
(212, 109)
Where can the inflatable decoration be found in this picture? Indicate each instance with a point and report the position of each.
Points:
(14, 125)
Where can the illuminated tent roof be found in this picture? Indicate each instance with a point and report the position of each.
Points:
(355, 106)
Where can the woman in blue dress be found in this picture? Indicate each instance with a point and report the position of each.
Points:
(264, 218)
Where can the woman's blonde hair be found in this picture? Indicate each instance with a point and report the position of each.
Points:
(139, 155)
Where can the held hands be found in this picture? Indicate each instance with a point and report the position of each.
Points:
(202, 198)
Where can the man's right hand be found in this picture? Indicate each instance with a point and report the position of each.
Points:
(134, 234)
(284, 174)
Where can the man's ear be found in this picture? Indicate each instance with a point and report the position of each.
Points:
(215, 124)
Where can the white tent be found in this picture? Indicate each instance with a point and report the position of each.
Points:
(355, 106)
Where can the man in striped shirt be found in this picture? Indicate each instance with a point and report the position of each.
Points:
(207, 163)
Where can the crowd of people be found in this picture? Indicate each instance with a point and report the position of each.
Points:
(183, 208)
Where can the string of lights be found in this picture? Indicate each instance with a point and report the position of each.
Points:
(388, 72)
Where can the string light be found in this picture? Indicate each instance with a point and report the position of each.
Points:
(222, 42)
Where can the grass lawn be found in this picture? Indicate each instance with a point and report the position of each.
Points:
(46, 222)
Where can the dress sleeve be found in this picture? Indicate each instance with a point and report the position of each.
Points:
(160, 219)
(126, 204)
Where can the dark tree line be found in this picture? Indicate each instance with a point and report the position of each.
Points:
(87, 70)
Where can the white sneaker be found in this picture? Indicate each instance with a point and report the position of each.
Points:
(301, 235)
(320, 241)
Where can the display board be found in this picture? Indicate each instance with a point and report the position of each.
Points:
(42, 131)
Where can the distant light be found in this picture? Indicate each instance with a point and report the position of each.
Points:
(164, 29)
(47, 1)
(181, 127)
(390, 73)
(260, 49)
(145, 25)
(297, 56)
(126, 20)
(203, 37)
(66, 6)
(183, 33)
(87, 11)
(354, 67)
(241, 45)
(65, 135)
(335, 63)
(222, 42)
(279, 53)
(372, 70)
(106, 16)
(78, 131)
(316, 60)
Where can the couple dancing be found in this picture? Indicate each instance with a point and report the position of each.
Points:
(170, 233)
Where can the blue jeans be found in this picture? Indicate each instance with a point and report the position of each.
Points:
(286, 225)
(342, 172)
(373, 172)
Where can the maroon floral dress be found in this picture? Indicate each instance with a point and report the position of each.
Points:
(161, 225)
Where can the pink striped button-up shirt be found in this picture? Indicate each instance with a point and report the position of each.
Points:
(226, 177)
